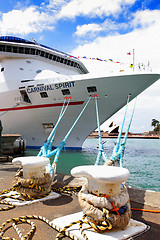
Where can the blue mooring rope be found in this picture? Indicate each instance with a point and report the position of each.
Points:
(101, 152)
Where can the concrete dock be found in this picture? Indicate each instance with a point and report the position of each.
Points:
(66, 204)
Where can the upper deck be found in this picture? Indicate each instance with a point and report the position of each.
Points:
(18, 47)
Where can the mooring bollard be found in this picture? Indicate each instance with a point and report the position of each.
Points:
(1, 128)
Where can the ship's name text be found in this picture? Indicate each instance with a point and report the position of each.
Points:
(50, 87)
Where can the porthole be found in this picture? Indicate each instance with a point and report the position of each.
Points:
(92, 89)
(65, 91)
(38, 71)
(44, 94)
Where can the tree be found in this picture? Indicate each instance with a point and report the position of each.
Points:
(155, 123)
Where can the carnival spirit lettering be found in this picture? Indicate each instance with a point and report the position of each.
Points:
(64, 85)
(50, 87)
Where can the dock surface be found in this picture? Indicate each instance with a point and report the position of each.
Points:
(67, 204)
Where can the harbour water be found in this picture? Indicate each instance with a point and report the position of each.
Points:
(142, 158)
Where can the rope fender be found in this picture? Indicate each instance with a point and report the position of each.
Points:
(33, 187)
(115, 211)
(98, 226)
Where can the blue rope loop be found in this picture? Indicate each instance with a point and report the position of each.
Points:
(57, 151)
(101, 151)
(46, 149)
(118, 155)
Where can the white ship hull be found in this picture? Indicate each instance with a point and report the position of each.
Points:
(29, 119)
(29, 102)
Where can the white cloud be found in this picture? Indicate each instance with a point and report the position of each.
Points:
(92, 29)
(93, 8)
(88, 28)
(145, 41)
(146, 18)
(54, 5)
(24, 21)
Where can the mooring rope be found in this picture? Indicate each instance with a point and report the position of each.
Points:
(47, 147)
(26, 219)
(101, 152)
(117, 146)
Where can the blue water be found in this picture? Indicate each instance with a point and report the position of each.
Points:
(142, 158)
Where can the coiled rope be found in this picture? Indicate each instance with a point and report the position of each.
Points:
(26, 219)
(98, 226)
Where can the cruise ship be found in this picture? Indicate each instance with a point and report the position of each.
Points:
(35, 80)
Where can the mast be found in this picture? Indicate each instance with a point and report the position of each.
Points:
(133, 58)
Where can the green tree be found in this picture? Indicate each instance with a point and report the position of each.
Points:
(155, 123)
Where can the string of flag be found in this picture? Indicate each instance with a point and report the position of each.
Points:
(141, 66)
(105, 60)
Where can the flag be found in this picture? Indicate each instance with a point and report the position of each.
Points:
(129, 53)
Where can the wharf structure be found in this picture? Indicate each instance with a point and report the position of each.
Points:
(68, 204)
(130, 135)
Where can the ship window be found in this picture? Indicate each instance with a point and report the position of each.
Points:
(54, 58)
(61, 60)
(21, 68)
(50, 56)
(44, 94)
(25, 97)
(92, 89)
(42, 54)
(28, 61)
(48, 125)
(26, 50)
(8, 48)
(2, 48)
(32, 51)
(69, 62)
(27, 80)
(58, 59)
(2, 69)
(66, 92)
(65, 61)
(21, 50)
(37, 52)
(15, 49)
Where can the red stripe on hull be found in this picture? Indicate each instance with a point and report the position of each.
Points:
(40, 106)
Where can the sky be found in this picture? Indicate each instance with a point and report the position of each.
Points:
(105, 29)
